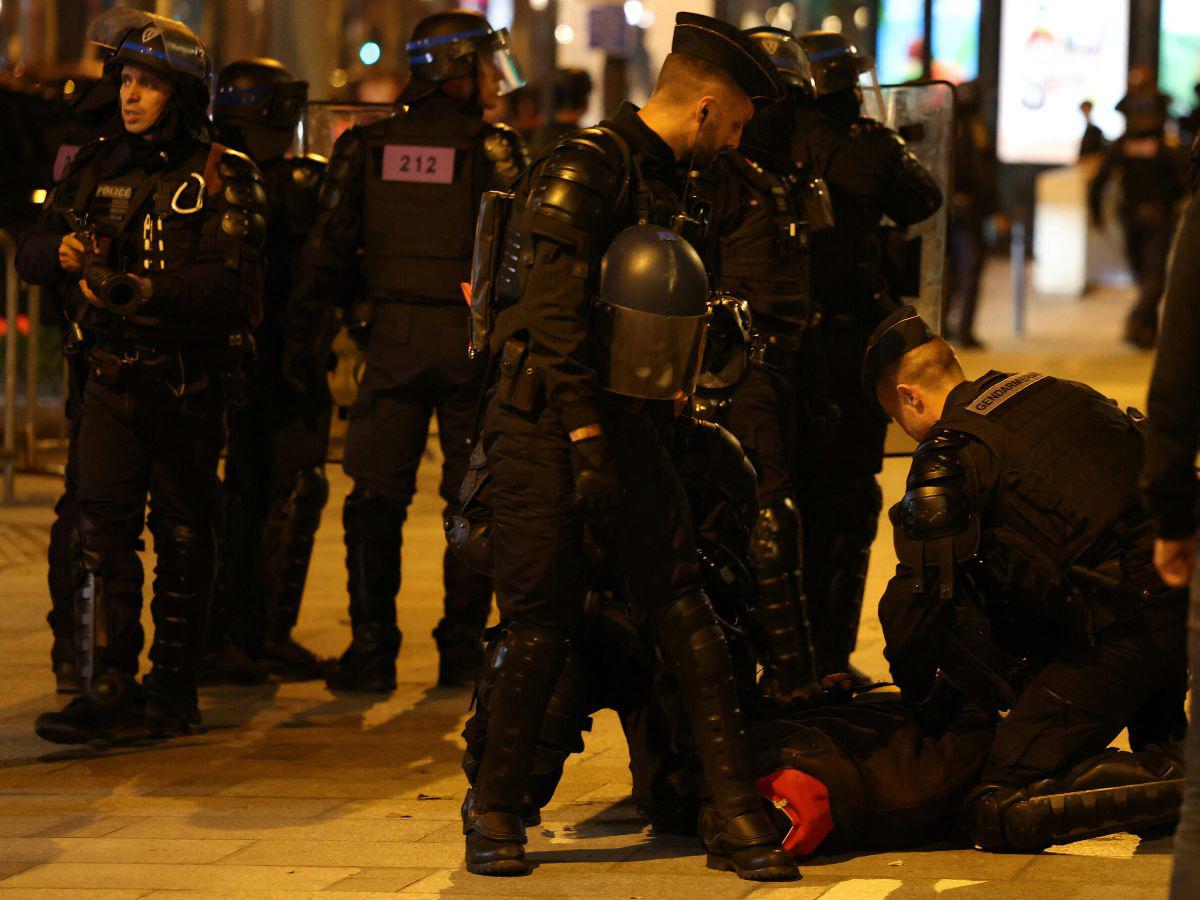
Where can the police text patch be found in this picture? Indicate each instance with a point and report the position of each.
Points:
(407, 162)
(987, 402)
(115, 191)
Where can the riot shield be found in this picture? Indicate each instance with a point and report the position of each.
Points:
(923, 114)
(323, 123)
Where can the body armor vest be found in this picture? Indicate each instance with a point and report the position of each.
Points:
(420, 201)
(766, 258)
(1068, 460)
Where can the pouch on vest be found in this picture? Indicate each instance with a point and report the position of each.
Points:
(520, 384)
(495, 210)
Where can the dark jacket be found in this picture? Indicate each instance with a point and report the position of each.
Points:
(1169, 483)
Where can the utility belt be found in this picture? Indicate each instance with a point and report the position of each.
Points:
(423, 312)
(181, 371)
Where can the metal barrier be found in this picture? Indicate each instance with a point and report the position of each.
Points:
(9, 452)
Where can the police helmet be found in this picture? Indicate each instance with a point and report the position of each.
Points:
(650, 315)
(162, 45)
(446, 45)
(834, 62)
(256, 107)
(789, 59)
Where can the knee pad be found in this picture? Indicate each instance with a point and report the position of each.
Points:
(775, 542)
(308, 492)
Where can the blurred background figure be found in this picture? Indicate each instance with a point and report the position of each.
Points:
(1093, 140)
(1149, 169)
(973, 200)
(571, 96)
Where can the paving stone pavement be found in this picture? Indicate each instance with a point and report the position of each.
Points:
(293, 792)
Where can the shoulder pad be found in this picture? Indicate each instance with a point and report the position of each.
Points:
(504, 147)
(344, 166)
(936, 504)
(581, 179)
(305, 171)
(235, 164)
(938, 459)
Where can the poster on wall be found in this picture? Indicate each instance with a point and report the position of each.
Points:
(1054, 54)
(899, 43)
(1179, 54)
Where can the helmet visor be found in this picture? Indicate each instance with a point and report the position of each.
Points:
(498, 61)
(645, 355)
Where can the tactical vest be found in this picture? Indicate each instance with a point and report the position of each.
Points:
(419, 205)
(1068, 460)
(147, 216)
(766, 259)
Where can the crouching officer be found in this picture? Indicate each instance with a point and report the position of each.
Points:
(1026, 577)
(159, 229)
(405, 191)
(599, 313)
(764, 208)
(275, 482)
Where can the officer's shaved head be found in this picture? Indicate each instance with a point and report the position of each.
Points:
(697, 108)
(685, 78)
(913, 389)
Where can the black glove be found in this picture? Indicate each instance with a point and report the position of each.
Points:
(597, 485)
(307, 345)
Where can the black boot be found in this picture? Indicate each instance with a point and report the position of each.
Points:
(292, 661)
(373, 530)
(230, 664)
(113, 708)
(735, 828)
(460, 652)
(747, 845)
(171, 708)
(369, 663)
(495, 841)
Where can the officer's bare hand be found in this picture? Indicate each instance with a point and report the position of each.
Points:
(71, 253)
(89, 296)
(1175, 560)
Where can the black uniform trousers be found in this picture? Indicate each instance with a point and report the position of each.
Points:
(275, 489)
(417, 365)
(1131, 675)
(763, 416)
(1147, 246)
(137, 437)
(839, 496)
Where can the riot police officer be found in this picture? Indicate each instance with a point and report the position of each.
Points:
(870, 174)
(761, 216)
(275, 482)
(158, 229)
(94, 110)
(595, 320)
(1026, 577)
(405, 191)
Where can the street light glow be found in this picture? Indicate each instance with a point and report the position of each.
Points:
(538, 5)
(633, 12)
(564, 34)
(369, 53)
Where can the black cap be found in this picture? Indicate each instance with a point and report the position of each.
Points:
(901, 331)
(727, 48)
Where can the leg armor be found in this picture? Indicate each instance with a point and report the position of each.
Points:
(1115, 791)
(183, 585)
(287, 545)
(781, 611)
(108, 603)
(734, 826)
(373, 535)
